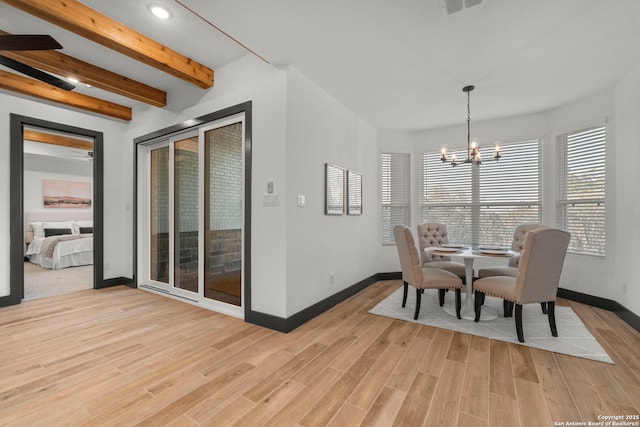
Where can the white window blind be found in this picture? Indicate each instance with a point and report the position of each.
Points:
(581, 189)
(396, 194)
(484, 204)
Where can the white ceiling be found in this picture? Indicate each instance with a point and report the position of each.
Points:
(398, 64)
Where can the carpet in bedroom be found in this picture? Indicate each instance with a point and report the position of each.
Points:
(573, 337)
(41, 282)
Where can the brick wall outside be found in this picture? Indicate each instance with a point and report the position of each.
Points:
(224, 147)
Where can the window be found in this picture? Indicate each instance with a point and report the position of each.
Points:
(483, 204)
(581, 182)
(396, 199)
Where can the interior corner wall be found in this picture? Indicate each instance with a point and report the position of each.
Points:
(626, 209)
(325, 253)
(114, 213)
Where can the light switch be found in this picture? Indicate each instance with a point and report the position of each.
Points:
(301, 200)
(269, 187)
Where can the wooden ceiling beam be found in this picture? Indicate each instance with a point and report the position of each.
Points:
(93, 25)
(68, 66)
(56, 139)
(38, 89)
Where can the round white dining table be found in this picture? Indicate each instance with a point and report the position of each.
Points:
(469, 255)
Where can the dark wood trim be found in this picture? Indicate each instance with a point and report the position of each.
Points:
(603, 303)
(290, 323)
(248, 168)
(16, 221)
(194, 123)
(621, 311)
(245, 108)
(390, 276)
(16, 200)
(117, 281)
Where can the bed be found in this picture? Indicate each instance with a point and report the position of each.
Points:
(58, 240)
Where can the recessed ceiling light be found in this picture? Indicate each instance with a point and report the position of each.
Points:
(159, 11)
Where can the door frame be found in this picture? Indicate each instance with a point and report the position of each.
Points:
(243, 108)
(16, 201)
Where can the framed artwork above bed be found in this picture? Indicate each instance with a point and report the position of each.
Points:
(66, 194)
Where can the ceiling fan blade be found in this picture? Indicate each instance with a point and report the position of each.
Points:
(35, 73)
(28, 42)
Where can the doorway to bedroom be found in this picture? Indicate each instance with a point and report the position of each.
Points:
(58, 203)
(191, 214)
(68, 215)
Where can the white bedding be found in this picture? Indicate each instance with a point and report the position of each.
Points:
(67, 253)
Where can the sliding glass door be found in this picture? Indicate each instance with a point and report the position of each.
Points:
(223, 219)
(159, 214)
(191, 214)
(185, 213)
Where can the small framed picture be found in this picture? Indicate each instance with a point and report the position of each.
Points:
(354, 193)
(334, 190)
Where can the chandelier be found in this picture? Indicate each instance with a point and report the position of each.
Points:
(473, 151)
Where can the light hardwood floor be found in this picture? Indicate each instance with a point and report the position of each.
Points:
(120, 356)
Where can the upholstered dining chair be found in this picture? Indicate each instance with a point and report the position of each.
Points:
(435, 234)
(422, 278)
(516, 245)
(537, 281)
(512, 268)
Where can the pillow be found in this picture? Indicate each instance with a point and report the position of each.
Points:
(56, 231)
(67, 225)
(58, 224)
(81, 223)
(38, 230)
(86, 230)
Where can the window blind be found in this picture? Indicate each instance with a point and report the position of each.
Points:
(484, 204)
(396, 194)
(581, 189)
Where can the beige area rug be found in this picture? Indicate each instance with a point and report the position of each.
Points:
(573, 338)
(41, 282)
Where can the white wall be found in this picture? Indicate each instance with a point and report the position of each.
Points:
(626, 208)
(38, 168)
(619, 107)
(114, 177)
(321, 130)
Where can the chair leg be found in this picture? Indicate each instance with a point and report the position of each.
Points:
(458, 303)
(404, 294)
(543, 305)
(418, 300)
(519, 322)
(478, 304)
(473, 290)
(551, 309)
(508, 308)
(441, 296)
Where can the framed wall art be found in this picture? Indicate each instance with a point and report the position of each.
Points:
(66, 194)
(334, 189)
(354, 193)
